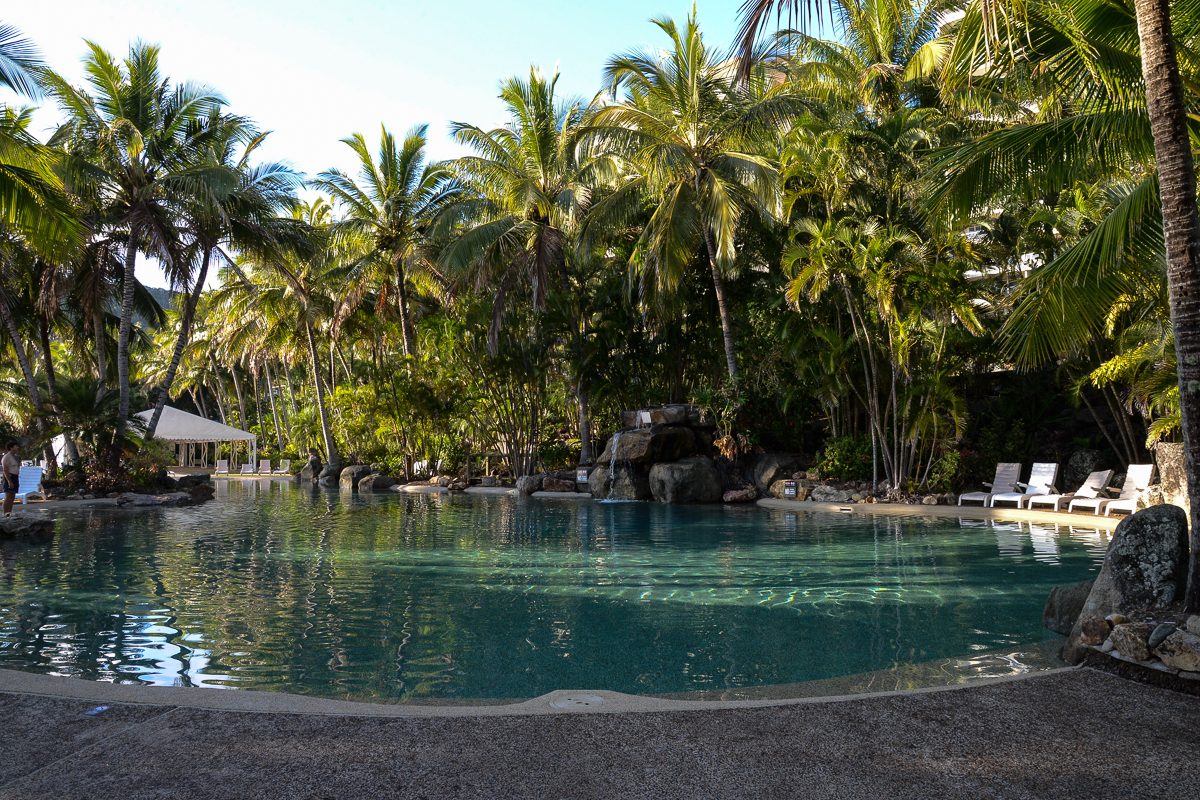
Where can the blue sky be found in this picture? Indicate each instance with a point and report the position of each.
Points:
(313, 72)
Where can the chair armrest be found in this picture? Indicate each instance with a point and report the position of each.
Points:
(987, 484)
(1023, 485)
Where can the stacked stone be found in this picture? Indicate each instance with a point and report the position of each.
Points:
(668, 460)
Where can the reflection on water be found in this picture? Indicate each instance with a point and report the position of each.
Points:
(409, 597)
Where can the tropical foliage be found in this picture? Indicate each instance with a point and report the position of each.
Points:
(904, 250)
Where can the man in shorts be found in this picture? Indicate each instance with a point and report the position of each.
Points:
(11, 464)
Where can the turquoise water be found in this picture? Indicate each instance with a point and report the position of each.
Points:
(415, 597)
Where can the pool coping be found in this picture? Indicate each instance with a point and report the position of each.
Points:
(560, 701)
(970, 512)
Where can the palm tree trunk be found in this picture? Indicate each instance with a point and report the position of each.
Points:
(237, 386)
(1181, 226)
(10, 326)
(330, 448)
(283, 409)
(585, 427)
(69, 449)
(409, 335)
(723, 305)
(101, 354)
(287, 371)
(198, 399)
(274, 410)
(258, 417)
(125, 330)
(220, 390)
(185, 330)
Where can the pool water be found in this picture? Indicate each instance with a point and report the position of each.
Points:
(418, 597)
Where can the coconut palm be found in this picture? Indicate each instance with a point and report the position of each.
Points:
(243, 219)
(885, 57)
(394, 203)
(300, 285)
(693, 137)
(528, 186)
(130, 135)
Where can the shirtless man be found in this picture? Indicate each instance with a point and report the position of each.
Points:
(11, 464)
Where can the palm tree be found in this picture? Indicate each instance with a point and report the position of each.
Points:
(394, 203)
(1168, 114)
(132, 133)
(887, 54)
(692, 137)
(528, 187)
(32, 201)
(295, 285)
(245, 218)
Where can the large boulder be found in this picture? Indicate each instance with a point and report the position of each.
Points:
(625, 481)
(1063, 606)
(689, 480)
(1172, 475)
(666, 443)
(351, 475)
(528, 484)
(188, 481)
(773, 467)
(1080, 464)
(779, 489)
(375, 483)
(829, 494)
(1144, 568)
(669, 415)
(329, 474)
(552, 484)
(203, 491)
(26, 525)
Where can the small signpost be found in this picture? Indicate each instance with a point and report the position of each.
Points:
(789, 488)
(581, 475)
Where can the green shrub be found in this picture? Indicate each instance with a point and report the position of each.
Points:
(846, 458)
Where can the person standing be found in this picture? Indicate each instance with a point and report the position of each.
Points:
(11, 464)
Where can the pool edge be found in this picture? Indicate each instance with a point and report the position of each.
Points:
(250, 701)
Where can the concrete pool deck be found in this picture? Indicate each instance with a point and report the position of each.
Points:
(1073, 733)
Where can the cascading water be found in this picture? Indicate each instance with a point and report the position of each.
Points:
(612, 465)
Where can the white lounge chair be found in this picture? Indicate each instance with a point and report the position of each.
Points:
(1092, 487)
(1041, 482)
(222, 467)
(1005, 481)
(1140, 475)
(1137, 480)
(29, 481)
(264, 467)
(247, 469)
(285, 467)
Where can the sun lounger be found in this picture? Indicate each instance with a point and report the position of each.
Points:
(222, 467)
(1140, 475)
(29, 481)
(1041, 482)
(285, 467)
(1005, 481)
(264, 467)
(1137, 480)
(247, 469)
(1092, 487)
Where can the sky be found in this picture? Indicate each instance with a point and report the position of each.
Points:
(315, 72)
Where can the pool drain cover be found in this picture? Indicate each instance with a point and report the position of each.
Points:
(576, 701)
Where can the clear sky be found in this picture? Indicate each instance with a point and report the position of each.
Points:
(314, 72)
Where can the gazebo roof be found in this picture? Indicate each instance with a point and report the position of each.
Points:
(180, 426)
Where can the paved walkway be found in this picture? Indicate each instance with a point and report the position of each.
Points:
(1070, 734)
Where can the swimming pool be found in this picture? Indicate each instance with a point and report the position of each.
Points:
(411, 597)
